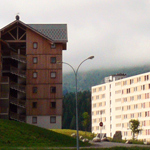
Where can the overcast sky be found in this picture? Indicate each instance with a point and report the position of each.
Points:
(116, 32)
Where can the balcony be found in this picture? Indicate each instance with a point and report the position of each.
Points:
(4, 95)
(18, 72)
(4, 110)
(18, 117)
(4, 80)
(18, 102)
(18, 57)
(18, 87)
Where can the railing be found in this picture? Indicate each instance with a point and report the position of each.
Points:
(3, 110)
(4, 80)
(19, 102)
(18, 87)
(4, 95)
(17, 117)
(19, 57)
(18, 72)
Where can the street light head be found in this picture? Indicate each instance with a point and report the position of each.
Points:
(59, 62)
(91, 57)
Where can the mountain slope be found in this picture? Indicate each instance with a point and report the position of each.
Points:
(94, 77)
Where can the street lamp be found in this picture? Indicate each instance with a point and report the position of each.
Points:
(76, 73)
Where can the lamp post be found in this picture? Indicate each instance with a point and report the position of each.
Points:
(76, 73)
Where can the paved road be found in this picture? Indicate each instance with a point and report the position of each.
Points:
(113, 144)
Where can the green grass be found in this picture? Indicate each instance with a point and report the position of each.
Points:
(16, 134)
(68, 132)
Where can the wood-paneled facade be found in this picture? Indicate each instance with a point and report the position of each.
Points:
(29, 62)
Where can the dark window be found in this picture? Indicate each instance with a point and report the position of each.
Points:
(34, 105)
(53, 89)
(34, 89)
(34, 120)
(35, 45)
(53, 104)
(53, 60)
(35, 60)
(53, 45)
(53, 119)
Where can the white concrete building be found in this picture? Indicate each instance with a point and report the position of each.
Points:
(118, 101)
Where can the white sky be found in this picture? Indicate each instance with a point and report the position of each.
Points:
(116, 32)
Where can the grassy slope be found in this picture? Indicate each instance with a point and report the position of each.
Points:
(18, 134)
(68, 132)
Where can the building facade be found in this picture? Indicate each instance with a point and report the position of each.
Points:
(118, 101)
(30, 77)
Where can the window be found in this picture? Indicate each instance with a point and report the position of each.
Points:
(53, 74)
(125, 99)
(131, 81)
(146, 95)
(132, 115)
(100, 89)
(34, 105)
(139, 97)
(35, 60)
(124, 82)
(128, 91)
(53, 119)
(140, 114)
(103, 95)
(136, 106)
(53, 60)
(53, 104)
(128, 107)
(35, 45)
(100, 104)
(34, 74)
(94, 90)
(34, 120)
(135, 89)
(146, 77)
(53, 45)
(53, 89)
(34, 90)
(97, 97)
(139, 79)
(132, 98)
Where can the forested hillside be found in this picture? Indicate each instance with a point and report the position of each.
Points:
(85, 81)
(69, 109)
(95, 77)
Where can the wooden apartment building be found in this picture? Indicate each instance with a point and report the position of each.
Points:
(30, 77)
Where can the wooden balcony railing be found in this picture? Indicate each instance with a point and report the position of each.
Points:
(18, 102)
(18, 57)
(18, 72)
(18, 117)
(3, 110)
(4, 80)
(4, 95)
(18, 87)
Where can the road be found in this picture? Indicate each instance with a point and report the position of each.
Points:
(113, 144)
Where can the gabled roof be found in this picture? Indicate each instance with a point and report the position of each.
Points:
(56, 32)
(53, 32)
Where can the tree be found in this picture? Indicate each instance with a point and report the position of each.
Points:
(134, 126)
(86, 120)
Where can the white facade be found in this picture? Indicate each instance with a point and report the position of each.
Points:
(116, 103)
